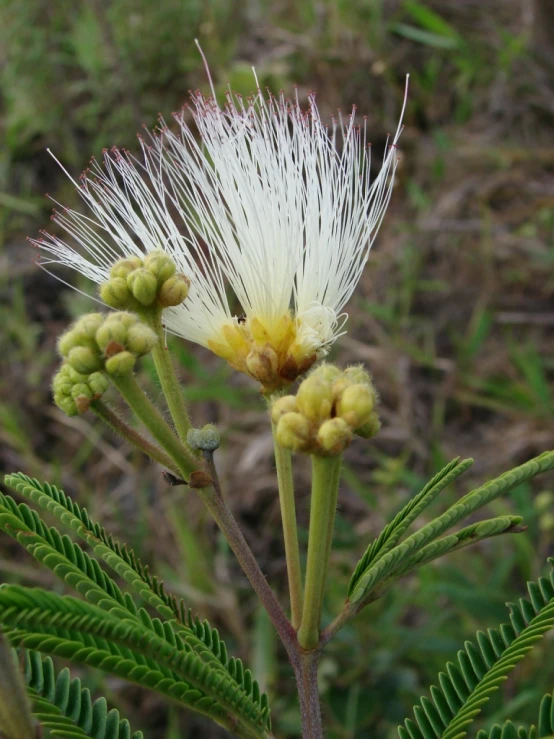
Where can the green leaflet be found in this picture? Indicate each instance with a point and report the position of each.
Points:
(65, 708)
(394, 530)
(41, 620)
(509, 731)
(390, 562)
(481, 668)
(16, 721)
(123, 561)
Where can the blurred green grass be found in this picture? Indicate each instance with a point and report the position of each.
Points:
(454, 316)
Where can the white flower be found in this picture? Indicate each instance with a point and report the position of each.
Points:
(269, 202)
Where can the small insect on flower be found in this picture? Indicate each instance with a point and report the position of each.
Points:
(269, 202)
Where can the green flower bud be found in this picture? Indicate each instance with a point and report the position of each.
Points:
(140, 339)
(81, 390)
(143, 285)
(207, 439)
(111, 332)
(66, 404)
(70, 340)
(334, 435)
(89, 324)
(314, 398)
(160, 264)
(116, 293)
(174, 291)
(124, 267)
(73, 375)
(356, 404)
(121, 363)
(370, 428)
(98, 383)
(84, 360)
(286, 404)
(293, 432)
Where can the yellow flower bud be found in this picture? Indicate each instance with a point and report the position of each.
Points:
(140, 339)
(121, 363)
(370, 428)
(174, 291)
(314, 398)
(143, 286)
(124, 267)
(293, 432)
(161, 265)
(356, 404)
(286, 404)
(334, 435)
(326, 372)
(85, 360)
(357, 375)
(116, 293)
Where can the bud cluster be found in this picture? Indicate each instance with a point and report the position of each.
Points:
(74, 392)
(329, 408)
(110, 343)
(137, 283)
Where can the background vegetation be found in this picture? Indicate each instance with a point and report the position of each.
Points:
(454, 316)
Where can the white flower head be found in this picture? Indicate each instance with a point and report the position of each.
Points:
(268, 203)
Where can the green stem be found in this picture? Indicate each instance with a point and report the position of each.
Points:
(154, 422)
(283, 464)
(119, 426)
(168, 378)
(325, 485)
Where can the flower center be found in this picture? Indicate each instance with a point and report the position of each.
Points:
(274, 355)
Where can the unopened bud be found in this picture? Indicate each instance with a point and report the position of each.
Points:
(124, 267)
(326, 372)
(358, 375)
(98, 384)
(121, 363)
(314, 398)
(72, 339)
(116, 293)
(174, 291)
(110, 332)
(81, 389)
(293, 432)
(89, 324)
(370, 428)
(140, 339)
(143, 285)
(286, 404)
(66, 404)
(160, 264)
(356, 404)
(84, 360)
(207, 439)
(334, 435)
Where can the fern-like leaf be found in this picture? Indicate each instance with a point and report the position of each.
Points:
(482, 667)
(394, 530)
(387, 564)
(56, 624)
(65, 708)
(136, 575)
(509, 731)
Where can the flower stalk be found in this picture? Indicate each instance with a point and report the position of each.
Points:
(325, 484)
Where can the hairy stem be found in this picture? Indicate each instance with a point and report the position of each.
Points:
(119, 426)
(228, 525)
(283, 464)
(306, 680)
(325, 483)
(154, 422)
(168, 379)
